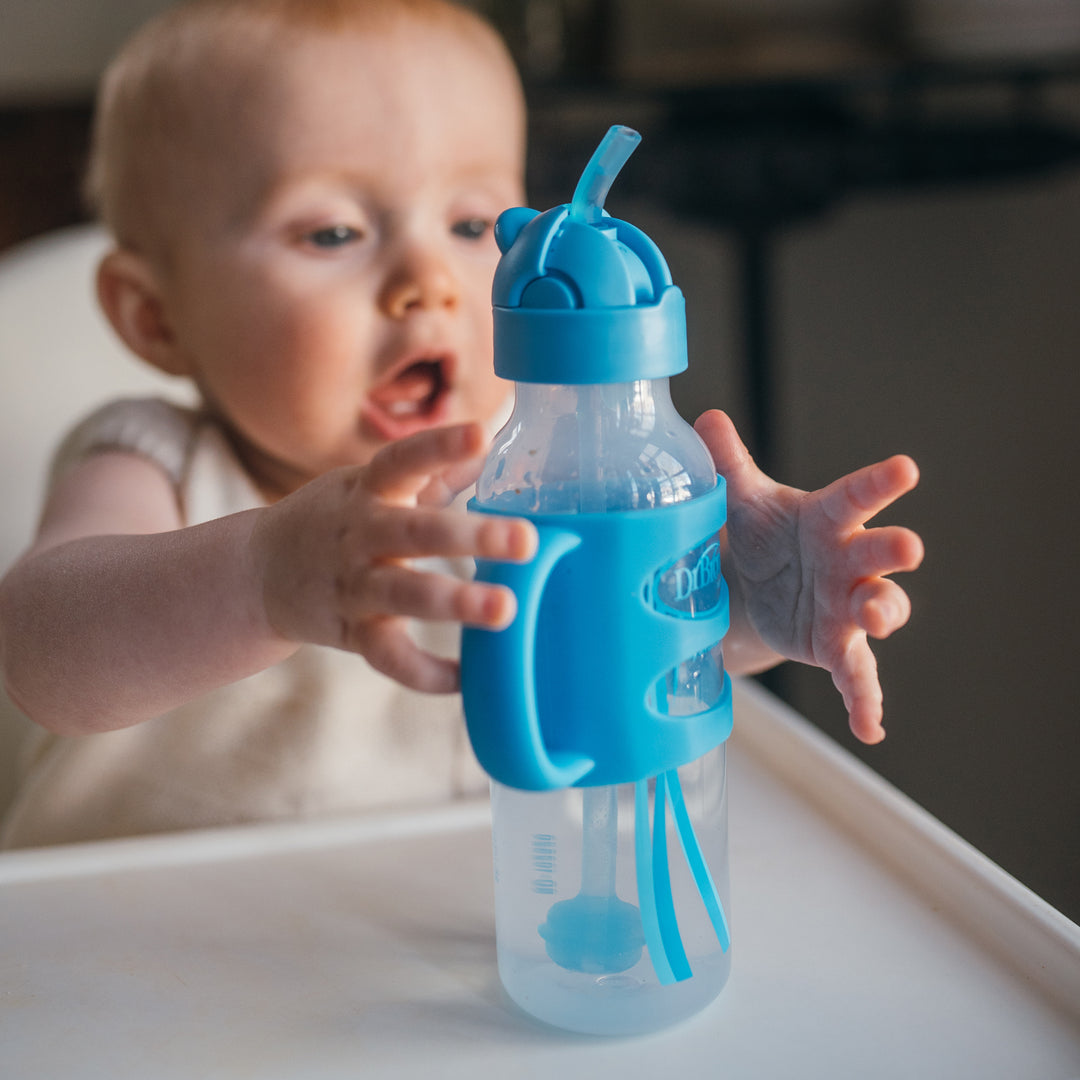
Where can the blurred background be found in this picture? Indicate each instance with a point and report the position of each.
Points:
(873, 207)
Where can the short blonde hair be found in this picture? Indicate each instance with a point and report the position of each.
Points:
(150, 97)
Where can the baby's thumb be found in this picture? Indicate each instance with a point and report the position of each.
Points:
(730, 456)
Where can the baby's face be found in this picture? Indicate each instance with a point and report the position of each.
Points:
(330, 288)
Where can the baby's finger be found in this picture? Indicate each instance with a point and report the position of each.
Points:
(880, 607)
(409, 533)
(730, 455)
(388, 589)
(404, 468)
(856, 677)
(856, 498)
(886, 550)
(387, 647)
(446, 486)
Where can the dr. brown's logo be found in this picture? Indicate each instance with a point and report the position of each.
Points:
(689, 579)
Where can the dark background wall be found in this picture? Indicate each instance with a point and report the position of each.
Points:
(947, 325)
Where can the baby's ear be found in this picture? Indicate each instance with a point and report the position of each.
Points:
(130, 294)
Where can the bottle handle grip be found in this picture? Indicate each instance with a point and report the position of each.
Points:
(498, 677)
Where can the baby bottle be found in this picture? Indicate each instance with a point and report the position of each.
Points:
(602, 712)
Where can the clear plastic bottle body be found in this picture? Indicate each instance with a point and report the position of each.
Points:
(538, 854)
(590, 449)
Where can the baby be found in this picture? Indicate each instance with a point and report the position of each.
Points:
(302, 194)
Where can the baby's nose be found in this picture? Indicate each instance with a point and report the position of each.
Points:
(420, 280)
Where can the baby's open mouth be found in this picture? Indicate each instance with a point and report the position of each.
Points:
(411, 400)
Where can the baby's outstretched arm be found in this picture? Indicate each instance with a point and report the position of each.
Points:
(808, 580)
(117, 613)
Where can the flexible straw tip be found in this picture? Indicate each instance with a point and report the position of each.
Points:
(599, 174)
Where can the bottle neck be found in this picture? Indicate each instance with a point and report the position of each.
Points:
(594, 448)
(639, 405)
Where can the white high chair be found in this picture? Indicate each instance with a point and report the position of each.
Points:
(59, 359)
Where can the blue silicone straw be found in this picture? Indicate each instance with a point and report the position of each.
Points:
(671, 940)
(695, 858)
(598, 176)
(660, 926)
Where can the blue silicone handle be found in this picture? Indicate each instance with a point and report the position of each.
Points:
(499, 681)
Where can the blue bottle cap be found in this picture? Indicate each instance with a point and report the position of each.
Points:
(581, 297)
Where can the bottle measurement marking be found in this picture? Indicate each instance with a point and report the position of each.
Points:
(543, 863)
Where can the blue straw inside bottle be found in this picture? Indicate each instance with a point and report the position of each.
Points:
(595, 931)
(600, 807)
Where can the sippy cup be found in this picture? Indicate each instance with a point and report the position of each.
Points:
(601, 713)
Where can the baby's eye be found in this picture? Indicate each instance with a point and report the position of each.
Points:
(334, 236)
(471, 228)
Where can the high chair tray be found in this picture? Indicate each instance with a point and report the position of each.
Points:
(869, 942)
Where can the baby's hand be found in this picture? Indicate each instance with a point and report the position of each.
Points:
(811, 577)
(334, 556)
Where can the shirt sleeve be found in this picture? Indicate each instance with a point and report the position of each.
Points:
(150, 427)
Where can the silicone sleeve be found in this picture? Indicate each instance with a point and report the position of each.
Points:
(562, 696)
